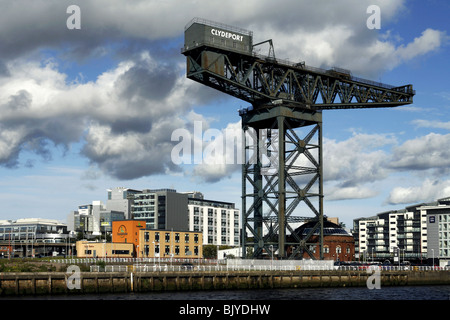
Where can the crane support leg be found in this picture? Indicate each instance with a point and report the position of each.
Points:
(281, 178)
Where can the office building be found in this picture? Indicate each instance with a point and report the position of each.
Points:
(161, 208)
(93, 219)
(120, 199)
(33, 236)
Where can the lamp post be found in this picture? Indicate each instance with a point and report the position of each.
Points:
(433, 257)
(271, 261)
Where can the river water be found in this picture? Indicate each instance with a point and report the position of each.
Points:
(403, 302)
(342, 293)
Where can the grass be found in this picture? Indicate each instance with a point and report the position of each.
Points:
(26, 265)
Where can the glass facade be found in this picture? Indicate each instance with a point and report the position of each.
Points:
(28, 230)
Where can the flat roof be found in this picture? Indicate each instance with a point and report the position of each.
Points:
(218, 25)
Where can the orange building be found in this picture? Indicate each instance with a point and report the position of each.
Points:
(130, 238)
(127, 231)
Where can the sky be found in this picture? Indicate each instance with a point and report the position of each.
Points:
(86, 109)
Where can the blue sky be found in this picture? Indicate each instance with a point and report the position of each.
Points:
(85, 110)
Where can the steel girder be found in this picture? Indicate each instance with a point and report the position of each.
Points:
(280, 172)
(259, 80)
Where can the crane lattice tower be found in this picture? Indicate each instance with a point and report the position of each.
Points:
(282, 173)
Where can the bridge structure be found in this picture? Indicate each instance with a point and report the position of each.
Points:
(282, 173)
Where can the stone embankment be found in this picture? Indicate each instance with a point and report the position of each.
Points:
(39, 283)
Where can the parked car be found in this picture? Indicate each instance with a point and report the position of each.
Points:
(187, 266)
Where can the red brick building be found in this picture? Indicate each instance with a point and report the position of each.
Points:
(338, 244)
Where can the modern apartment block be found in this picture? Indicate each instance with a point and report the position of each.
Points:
(416, 233)
(219, 221)
(161, 208)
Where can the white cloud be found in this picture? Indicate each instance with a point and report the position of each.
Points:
(125, 116)
(127, 113)
(222, 153)
(358, 159)
(429, 190)
(431, 124)
(345, 193)
(422, 153)
(429, 41)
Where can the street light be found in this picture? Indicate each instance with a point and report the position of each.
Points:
(433, 257)
(271, 261)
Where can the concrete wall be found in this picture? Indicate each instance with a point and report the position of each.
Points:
(107, 282)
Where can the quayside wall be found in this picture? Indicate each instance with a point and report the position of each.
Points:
(44, 283)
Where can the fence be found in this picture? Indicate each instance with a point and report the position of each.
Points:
(211, 265)
(250, 268)
(137, 260)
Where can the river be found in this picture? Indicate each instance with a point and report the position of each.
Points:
(408, 302)
(342, 293)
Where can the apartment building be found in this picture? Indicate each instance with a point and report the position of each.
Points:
(416, 233)
(219, 221)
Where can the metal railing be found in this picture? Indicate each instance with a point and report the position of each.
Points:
(225, 268)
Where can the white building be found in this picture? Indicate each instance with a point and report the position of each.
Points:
(121, 199)
(420, 232)
(92, 219)
(219, 221)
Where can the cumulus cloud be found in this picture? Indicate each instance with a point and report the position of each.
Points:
(358, 159)
(429, 190)
(221, 153)
(422, 153)
(125, 115)
(335, 34)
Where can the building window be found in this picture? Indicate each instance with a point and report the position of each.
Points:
(177, 237)
(167, 237)
(338, 249)
(186, 238)
(157, 236)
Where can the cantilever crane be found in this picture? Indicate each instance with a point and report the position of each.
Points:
(284, 96)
